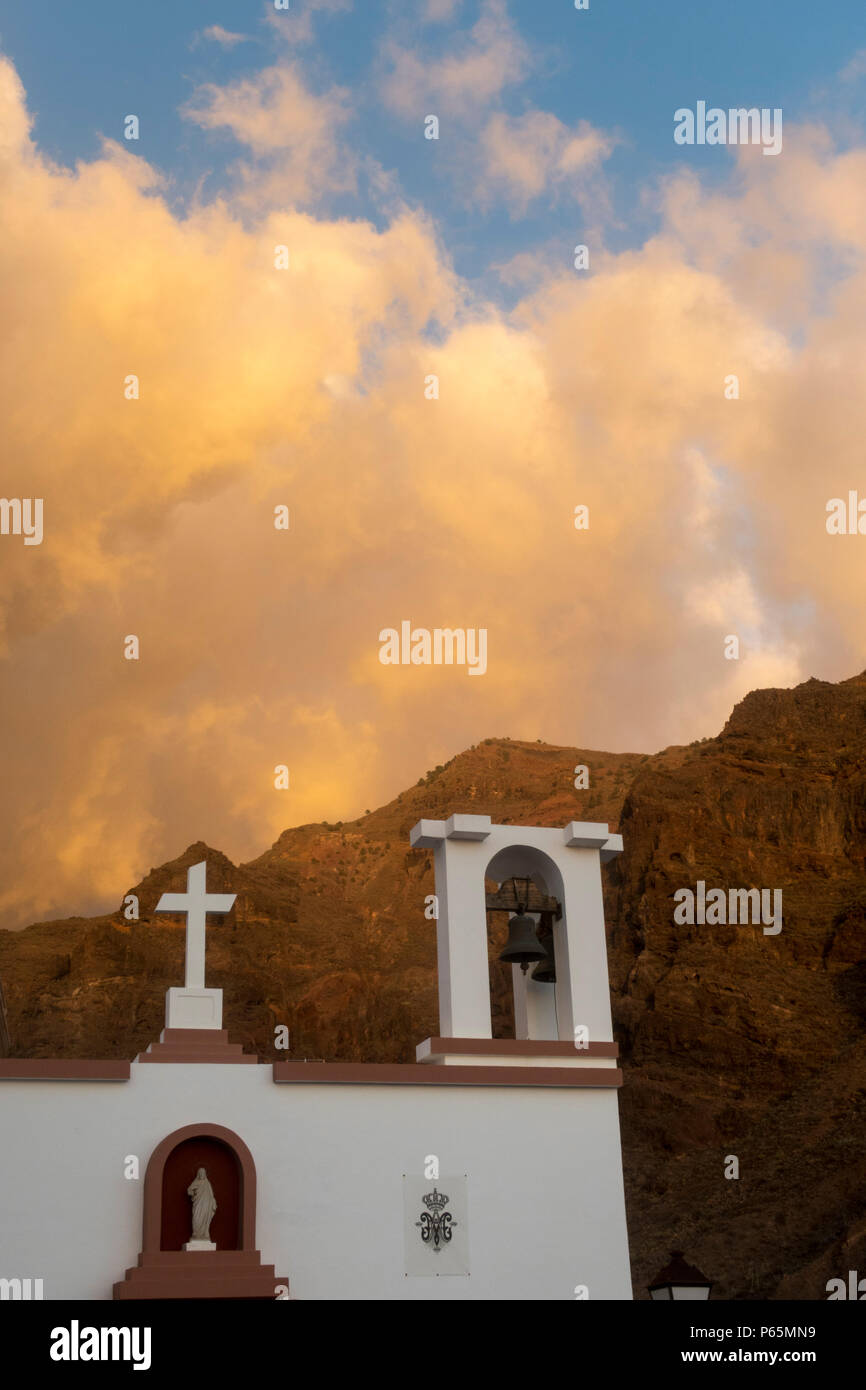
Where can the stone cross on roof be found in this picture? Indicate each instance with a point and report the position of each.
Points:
(194, 1006)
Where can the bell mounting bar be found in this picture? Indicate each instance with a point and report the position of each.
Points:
(507, 899)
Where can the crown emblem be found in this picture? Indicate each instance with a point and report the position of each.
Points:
(435, 1201)
(436, 1223)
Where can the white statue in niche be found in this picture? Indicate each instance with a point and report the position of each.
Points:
(203, 1207)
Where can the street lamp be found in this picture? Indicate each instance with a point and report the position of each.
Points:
(679, 1280)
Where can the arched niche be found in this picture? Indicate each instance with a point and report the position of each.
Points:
(233, 1178)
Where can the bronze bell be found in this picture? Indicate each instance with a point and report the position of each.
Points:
(522, 945)
(545, 970)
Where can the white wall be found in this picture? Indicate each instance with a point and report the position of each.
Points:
(546, 1208)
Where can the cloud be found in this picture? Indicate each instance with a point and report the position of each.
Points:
(305, 387)
(15, 119)
(855, 68)
(296, 24)
(441, 11)
(528, 156)
(468, 76)
(224, 37)
(489, 154)
(290, 131)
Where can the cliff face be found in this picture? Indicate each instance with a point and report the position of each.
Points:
(735, 1043)
(741, 1043)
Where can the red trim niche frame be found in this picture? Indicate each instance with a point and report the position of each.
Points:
(200, 1273)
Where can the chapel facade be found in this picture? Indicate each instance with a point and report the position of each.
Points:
(487, 1169)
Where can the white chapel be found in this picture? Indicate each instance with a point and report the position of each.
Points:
(486, 1169)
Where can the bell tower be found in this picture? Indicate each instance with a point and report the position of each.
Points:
(566, 1019)
(563, 1062)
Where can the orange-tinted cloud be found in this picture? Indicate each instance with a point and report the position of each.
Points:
(525, 157)
(226, 38)
(305, 386)
(475, 70)
(290, 131)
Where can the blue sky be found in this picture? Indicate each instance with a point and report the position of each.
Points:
(624, 67)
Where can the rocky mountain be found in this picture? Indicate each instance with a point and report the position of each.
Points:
(736, 1044)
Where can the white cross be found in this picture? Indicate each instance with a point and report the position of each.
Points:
(196, 902)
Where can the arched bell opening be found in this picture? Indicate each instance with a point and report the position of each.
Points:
(522, 911)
